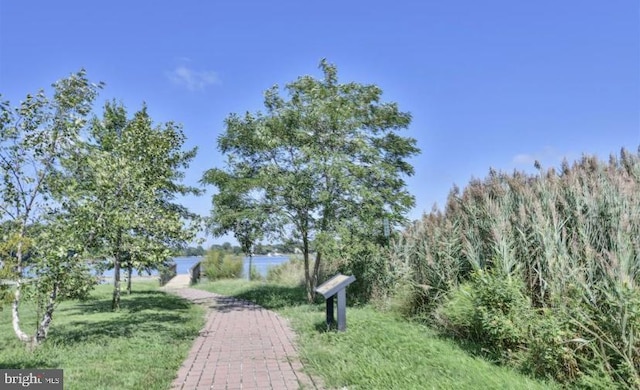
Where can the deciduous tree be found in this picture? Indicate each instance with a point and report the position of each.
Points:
(236, 212)
(127, 180)
(35, 138)
(324, 160)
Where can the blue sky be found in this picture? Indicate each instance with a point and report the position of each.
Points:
(489, 83)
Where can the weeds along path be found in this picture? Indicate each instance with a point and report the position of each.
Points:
(242, 346)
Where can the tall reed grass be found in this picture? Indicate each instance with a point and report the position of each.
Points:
(221, 265)
(569, 237)
(289, 273)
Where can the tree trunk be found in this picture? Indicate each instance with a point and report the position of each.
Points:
(250, 265)
(129, 273)
(47, 317)
(117, 261)
(15, 305)
(115, 302)
(316, 272)
(307, 275)
(15, 314)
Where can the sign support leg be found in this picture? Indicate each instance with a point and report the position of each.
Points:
(342, 310)
(330, 319)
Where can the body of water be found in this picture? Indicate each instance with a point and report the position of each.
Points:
(261, 263)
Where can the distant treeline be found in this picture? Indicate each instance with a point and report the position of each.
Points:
(259, 249)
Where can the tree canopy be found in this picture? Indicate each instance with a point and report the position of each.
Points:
(126, 181)
(76, 188)
(35, 139)
(323, 163)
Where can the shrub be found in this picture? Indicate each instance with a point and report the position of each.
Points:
(570, 345)
(456, 314)
(367, 261)
(551, 349)
(501, 311)
(221, 265)
(491, 311)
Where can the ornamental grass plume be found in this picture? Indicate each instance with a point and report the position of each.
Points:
(571, 236)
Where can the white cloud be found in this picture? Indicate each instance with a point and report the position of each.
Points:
(547, 157)
(191, 79)
(522, 159)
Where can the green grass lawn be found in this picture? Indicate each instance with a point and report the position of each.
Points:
(378, 350)
(139, 347)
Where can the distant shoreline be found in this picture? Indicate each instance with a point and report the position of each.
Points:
(123, 277)
(242, 254)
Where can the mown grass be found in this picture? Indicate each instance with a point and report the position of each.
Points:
(379, 350)
(139, 347)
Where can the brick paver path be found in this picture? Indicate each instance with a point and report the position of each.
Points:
(242, 346)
